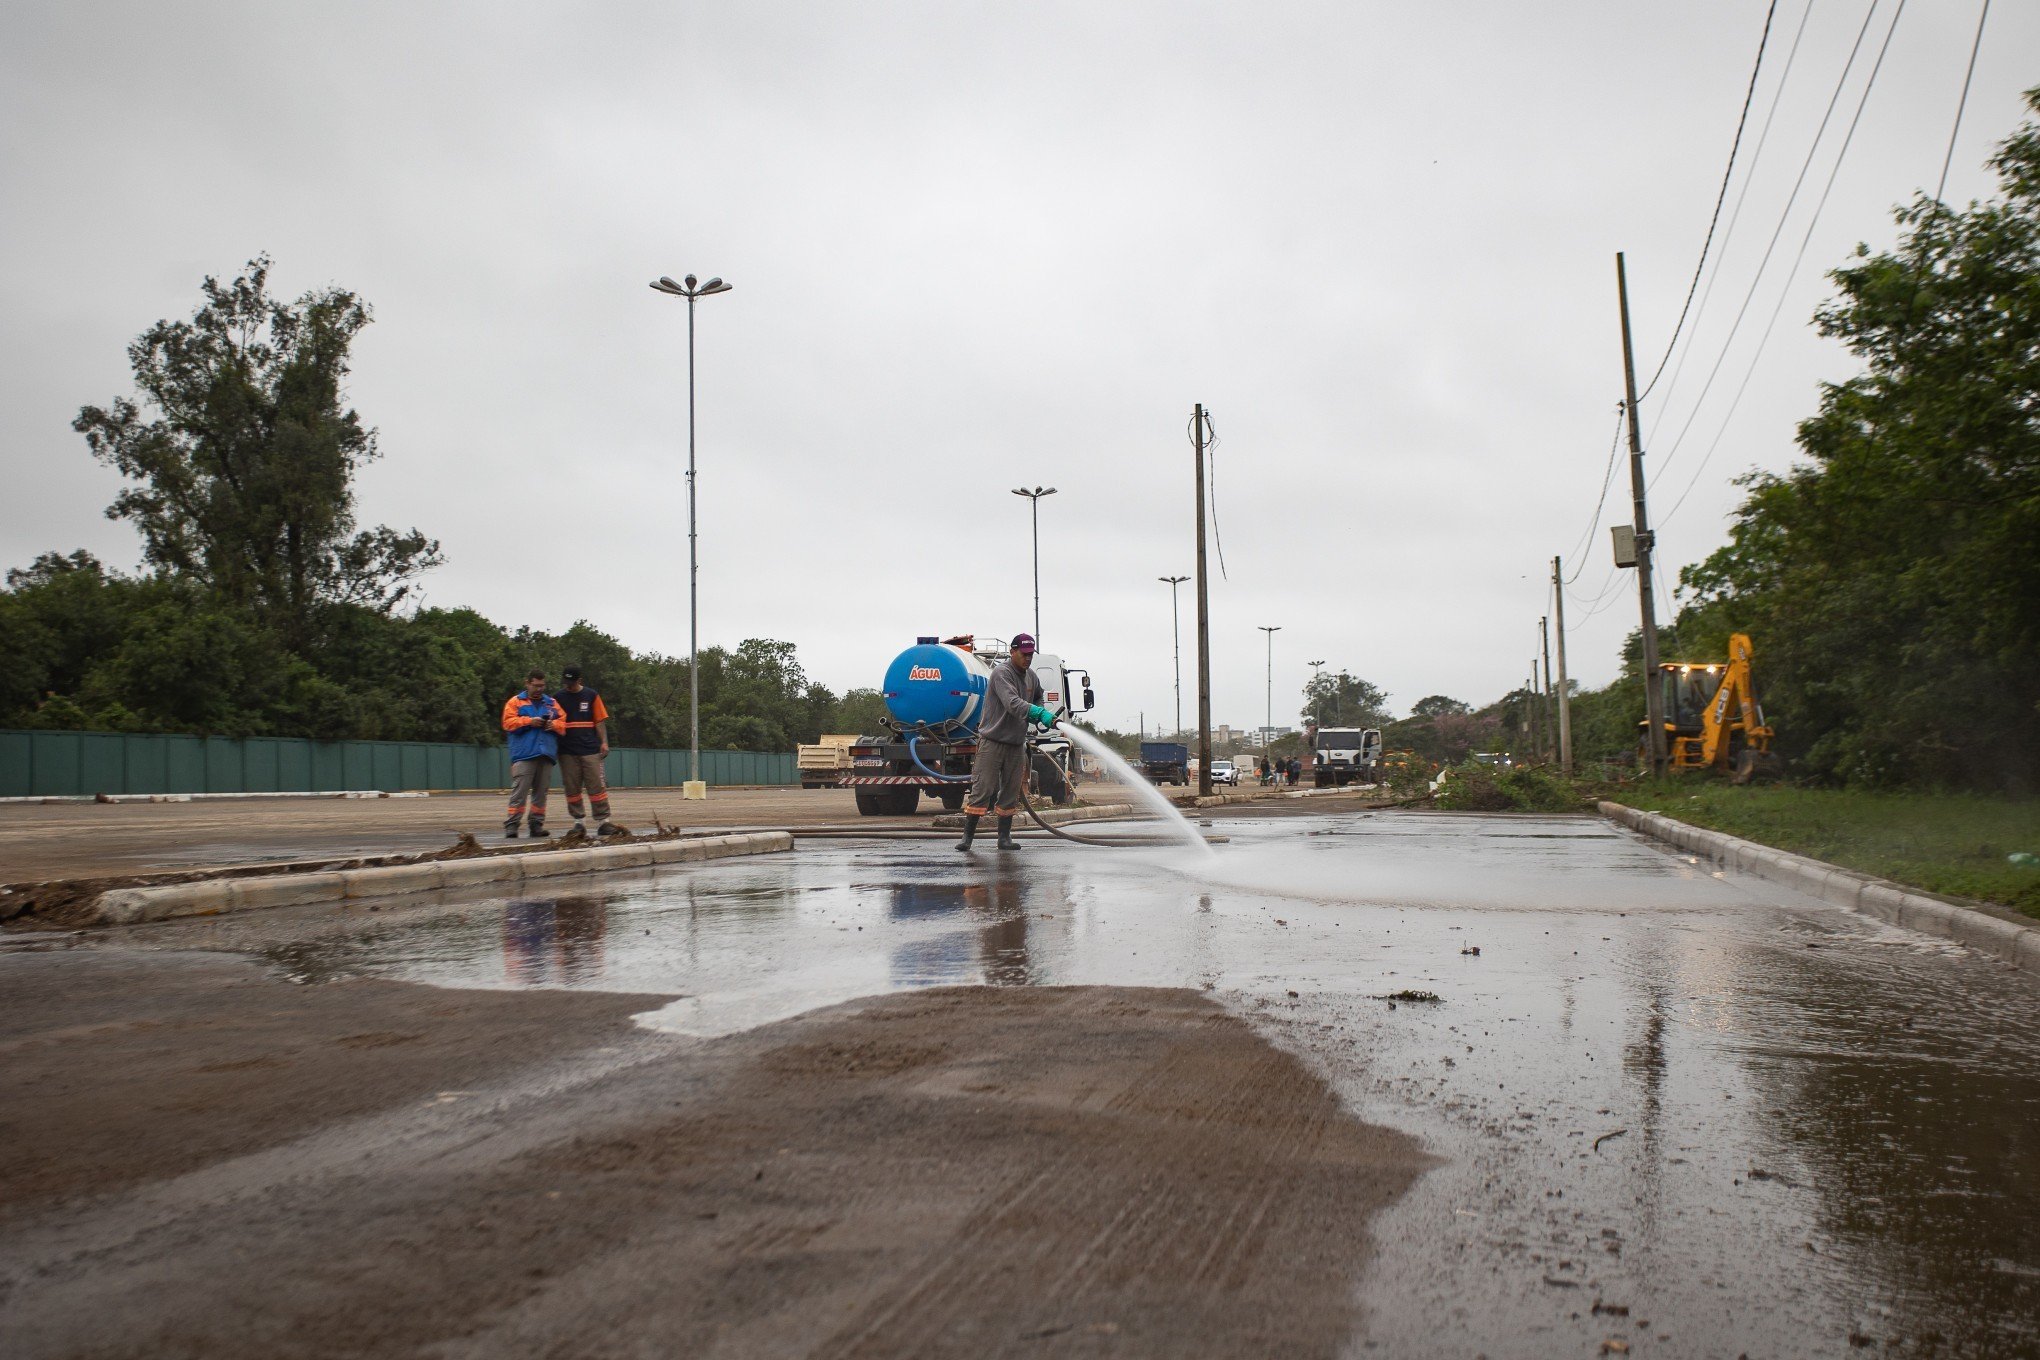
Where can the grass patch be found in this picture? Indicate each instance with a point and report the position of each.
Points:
(1946, 843)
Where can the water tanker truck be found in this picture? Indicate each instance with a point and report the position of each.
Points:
(934, 696)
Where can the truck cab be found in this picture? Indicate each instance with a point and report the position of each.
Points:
(1345, 755)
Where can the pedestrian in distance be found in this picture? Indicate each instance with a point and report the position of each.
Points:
(534, 723)
(584, 746)
(998, 774)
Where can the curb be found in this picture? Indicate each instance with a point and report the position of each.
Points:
(211, 897)
(2016, 943)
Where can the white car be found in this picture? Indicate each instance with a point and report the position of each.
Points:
(1224, 772)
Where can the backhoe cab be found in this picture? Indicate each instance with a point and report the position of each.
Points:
(1712, 718)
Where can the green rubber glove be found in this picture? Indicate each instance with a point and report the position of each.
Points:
(1036, 713)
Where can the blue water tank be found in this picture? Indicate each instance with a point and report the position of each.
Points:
(935, 684)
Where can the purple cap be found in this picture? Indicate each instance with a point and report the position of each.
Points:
(1023, 642)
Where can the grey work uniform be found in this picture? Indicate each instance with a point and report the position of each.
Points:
(998, 775)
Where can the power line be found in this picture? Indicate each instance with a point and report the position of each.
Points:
(1962, 103)
(1941, 189)
(1719, 198)
(1797, 259)
(1607, 479)
(1735, 214)
(1776, 232)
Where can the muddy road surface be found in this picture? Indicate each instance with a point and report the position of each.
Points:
(1361, 1083)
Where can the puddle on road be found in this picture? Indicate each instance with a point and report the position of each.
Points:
(1679, 1108)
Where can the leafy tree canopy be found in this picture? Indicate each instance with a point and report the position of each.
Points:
(1344, 700)
(1891, 583)
(242, 456)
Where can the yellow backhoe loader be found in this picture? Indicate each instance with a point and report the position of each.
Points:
(1712, 718)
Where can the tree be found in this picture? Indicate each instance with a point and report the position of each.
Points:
(243, 477)
(1437, 705)
(1891, 583)
(1344, 700)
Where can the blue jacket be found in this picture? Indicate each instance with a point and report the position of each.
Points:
(534, 726)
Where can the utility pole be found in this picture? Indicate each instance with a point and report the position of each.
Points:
(1653, 693)
(1316, 701)
(1203, 618)
(1176, 628)
(1564, 695)
(1550, 718)
(1268, 723)
(1531, 704)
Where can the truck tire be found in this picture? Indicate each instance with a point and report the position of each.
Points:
(902, 802)
(872, 804)
(952, 797)
(1048, 778)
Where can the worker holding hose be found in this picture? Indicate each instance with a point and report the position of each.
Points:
(998, 777)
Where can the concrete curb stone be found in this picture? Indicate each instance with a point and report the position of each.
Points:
(2016, 943)
(204, 897)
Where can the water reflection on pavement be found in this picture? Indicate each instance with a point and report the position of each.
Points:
(1677, 1109)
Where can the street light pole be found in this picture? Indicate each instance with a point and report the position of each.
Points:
(1268, 726)
(1176, 627)
(1034, 503)
(1316, 715)
(691, 290)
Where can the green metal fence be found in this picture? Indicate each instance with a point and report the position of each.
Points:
(55, 764)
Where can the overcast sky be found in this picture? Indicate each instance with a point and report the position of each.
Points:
(979, 247)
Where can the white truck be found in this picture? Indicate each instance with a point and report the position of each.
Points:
(1345, 755)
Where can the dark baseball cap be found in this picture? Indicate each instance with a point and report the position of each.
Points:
(571, 673)
(1023, 642)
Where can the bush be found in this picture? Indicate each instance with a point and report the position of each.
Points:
(1474, 787)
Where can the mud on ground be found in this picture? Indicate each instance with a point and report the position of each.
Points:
(199, 1158)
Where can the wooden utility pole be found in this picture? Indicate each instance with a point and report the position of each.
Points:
(1653, 693)
(1203, 618)
(1550, 709)
(1530, 707)
(1564, 696)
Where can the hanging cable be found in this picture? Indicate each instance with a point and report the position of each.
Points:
(1807, 165)
(1210, 453)
(1720, 197)
(1601, 502)
(1778, 309)
(1742, 197)
(1941, 189)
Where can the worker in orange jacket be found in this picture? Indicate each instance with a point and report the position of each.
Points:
(535, 724)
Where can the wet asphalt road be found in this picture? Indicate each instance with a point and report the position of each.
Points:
(1676, 1109)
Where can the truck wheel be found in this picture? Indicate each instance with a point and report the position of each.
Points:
(1048, 778)
(952, 798)
(871, 804)
(902, 802)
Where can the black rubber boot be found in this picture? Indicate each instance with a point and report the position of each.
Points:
(1006, 841)
(970, 821)
(509, 831)
(538, 831)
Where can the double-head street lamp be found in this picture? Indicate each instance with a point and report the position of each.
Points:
(1176, 627)
(1267, 731)
(1034, 504)
(690, 289)
(1316, 700)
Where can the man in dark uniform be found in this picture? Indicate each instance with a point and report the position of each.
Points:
(998, 776)
(584, 745)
